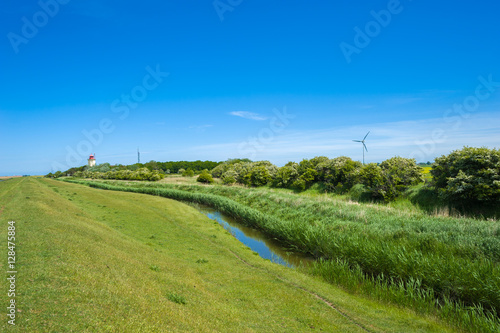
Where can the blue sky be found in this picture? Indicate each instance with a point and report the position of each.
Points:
(274, 80)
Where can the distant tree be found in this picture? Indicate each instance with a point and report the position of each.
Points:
(71, 171)
(152, 165)
(188, 173)
(181, 171)
(196, 166)
(135, 167)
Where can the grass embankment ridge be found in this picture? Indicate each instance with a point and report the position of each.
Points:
(425, 260)
(95, 261)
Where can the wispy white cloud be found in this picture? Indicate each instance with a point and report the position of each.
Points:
(200, 128)
(421, 139)
(248, 115)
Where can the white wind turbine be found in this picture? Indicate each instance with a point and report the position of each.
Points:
(364, 146)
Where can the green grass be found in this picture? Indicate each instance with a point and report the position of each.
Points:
(96, 261)
(417, 258)
(179, 299)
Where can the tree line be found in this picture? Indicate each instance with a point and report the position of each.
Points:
(383, 181)
(467, 176)
(162, 168)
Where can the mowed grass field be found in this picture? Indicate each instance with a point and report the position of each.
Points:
(101, 261)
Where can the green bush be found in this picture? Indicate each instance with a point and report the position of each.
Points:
(467, 176)
(205, 177)
(229, 177)
(338, 174)
(104, 167)
(402, 172)
(155, 176)
(305, 180)
(225, 166)
(306, 164)
(241, 169)
(248, 173)
(258, 176)
(376, 182)
(219, 170)
(188, 173)
(286, 175)
(391, 178)
(359, 193)
(139, 174)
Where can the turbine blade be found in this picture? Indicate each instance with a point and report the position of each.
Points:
(366, 135)
(365, 147)
(357, 141)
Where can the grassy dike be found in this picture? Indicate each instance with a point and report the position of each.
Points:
(441, 266)
(103, 261)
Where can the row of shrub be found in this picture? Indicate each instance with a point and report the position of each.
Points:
(140, 174)
(177, 167)
(383, 181)
(103, 171)
(464, 177)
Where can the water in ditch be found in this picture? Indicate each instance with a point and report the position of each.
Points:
(256, 240)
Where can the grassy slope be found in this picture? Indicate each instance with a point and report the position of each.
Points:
(463, 244)
(91, 260)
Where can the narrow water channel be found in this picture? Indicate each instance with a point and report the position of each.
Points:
(256, 240)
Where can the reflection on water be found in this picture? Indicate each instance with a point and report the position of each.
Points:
(256, 240)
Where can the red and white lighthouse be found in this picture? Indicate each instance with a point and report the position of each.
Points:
(91, 161)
